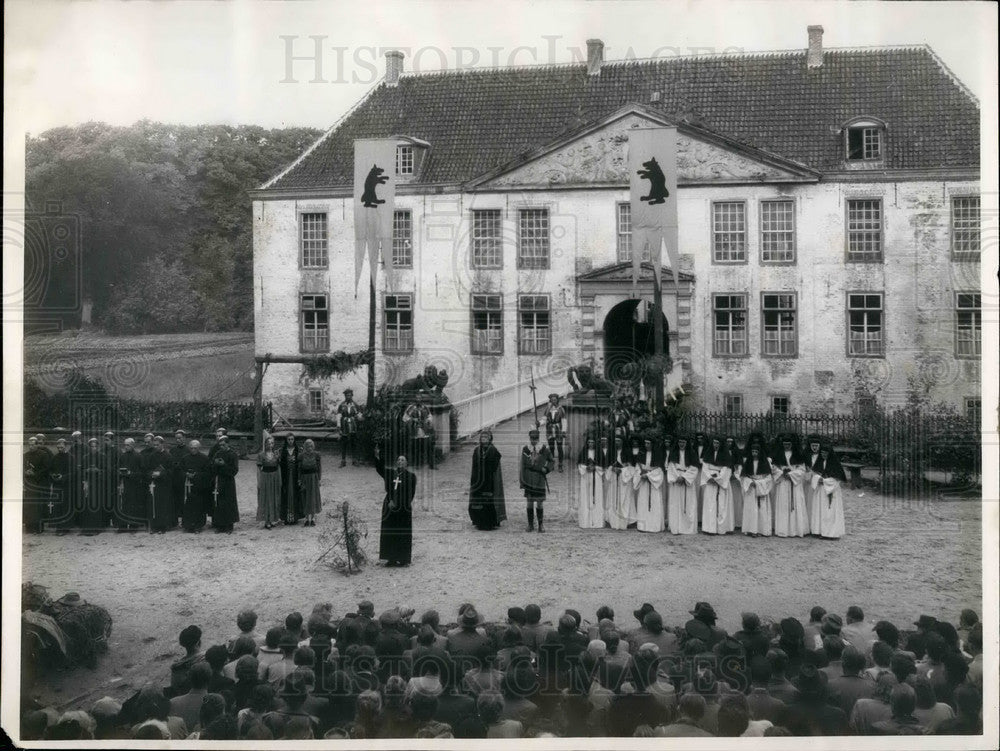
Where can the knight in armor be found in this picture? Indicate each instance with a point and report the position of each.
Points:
(348, 415)
(555, 427)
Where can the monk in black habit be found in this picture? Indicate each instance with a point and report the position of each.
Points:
(487, 507)
(396, 538)
(131, 506)
(225, 465)
(197, 487)
(94, 483)
(37, 461)
(158, 466)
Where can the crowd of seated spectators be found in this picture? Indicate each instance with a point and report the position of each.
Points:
(365, 677)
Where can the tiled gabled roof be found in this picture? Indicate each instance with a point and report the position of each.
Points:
(476, 120)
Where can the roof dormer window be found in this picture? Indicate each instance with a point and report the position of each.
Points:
(404, 160)
(410, 153)
(864, 140)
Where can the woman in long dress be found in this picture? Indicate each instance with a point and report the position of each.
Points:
(649, 490)
(828, 499)
(682, 488)
(716, 513)
(756, 482)
(735, 488)
(268, 485)
(288, 460)
(788, 470)
(310, 472)
(487, 506)
(590, 496)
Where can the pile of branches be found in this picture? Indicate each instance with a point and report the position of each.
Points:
(342, 541)
(80, 630)
(338, 364)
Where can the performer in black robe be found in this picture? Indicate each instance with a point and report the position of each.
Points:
(92, 513)
(177, 453)
(59, 514)
(225, 465)
(112, 481)
(291, 501)
(37, 460)
(396, 536)
(487, 507)
(197, 485)
(131, 508)
(158, 467)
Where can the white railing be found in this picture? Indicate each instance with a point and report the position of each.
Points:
(492, 407)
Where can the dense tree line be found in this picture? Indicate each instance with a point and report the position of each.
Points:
(152, 222)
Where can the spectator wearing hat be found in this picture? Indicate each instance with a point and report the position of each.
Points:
(705, 613)
(190, 640)
(845, 689)
(788, 470)
(888, 633)
(762, 705)
(555, 427)
(968, 713)
(810, 713)
(187, 706)
(536, 464)
(902, 702)
(867, 712)
(534, 632)
(688, 723)
(929, 711)
(348, 419)
(926, 624)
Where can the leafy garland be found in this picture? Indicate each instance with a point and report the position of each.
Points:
(338, 364)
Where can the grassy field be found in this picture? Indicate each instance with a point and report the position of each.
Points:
(169, 367)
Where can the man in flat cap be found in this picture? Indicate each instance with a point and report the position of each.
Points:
(348, 417)
(536, 463)
(555, 427)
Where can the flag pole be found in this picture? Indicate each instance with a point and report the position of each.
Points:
(371, 340)
(658, 334)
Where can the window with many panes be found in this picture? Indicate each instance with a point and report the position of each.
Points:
(864, 229)
(729, 232)
(533, 239)
(487, 325)
(314, 316)
(534, 327)
(864, 142)
(487, 239)
(777, 231)
(623, 219)
(733, 404)
(865, 324)
(313, 240)
(779, 331)
(397, 335)
(730, 323)
(968, 324)
(316, 401)
(402, 238)
(974, 409)
(404, 160)
(780, 404)
(965, 225)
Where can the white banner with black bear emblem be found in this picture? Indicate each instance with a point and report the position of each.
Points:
(374, 200)
(652, 166)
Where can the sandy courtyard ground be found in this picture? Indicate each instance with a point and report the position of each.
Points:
(898, 560)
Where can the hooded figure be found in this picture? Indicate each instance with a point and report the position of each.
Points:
(648, 484)
(756, 482)
(826, 505)
(682, 488)
(619, 492)
(487, 507)
(788, 471)
(716, 509)
(590, 496)
(735, 488)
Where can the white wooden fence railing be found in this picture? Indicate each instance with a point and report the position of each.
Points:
(491, 407)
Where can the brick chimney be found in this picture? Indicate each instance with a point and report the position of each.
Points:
(814, 57)
(595, 56)
(393, 67)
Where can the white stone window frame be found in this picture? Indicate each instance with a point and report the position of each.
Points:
(864, 309)
(487, 307)
(534, 306)
(314, 242)
(314, 335)
(717, 351)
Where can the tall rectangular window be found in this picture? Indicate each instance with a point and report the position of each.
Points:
(865, 325)
(316, 401)
(974, 409)
(313, 240)
(729, 232)
(402, 238)
(780, 404)
(533, 239)
(730, 314)
(487, 239)
(404, 160)
(779, 324)
(965, 225)
(487, 325)
(777, 231)
(733, 404)
(534, 334)
(864, 229)
(968, 324)
(623, 220)
(314, 317)
(398, 323)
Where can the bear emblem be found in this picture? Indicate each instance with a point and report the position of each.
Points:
(657, 182)
(375, 178)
